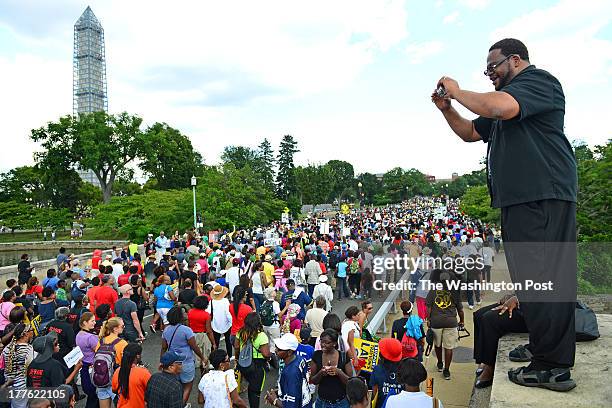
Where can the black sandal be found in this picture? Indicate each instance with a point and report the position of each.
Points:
(556, 379)
(520, 354)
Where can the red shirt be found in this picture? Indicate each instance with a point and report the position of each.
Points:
(91, 294)
(197, 320)
(106, 295)
(36, 289)
(123, 279)
(95, 262)
(238, 322)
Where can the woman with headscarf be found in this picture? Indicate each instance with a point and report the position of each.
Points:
(17, 357)
(290, 321)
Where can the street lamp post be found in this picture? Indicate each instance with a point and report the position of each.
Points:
(195, 219)
(359, 185)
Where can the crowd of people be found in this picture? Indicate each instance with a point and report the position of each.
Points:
(247, 302)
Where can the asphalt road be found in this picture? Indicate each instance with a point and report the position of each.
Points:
(152, 347)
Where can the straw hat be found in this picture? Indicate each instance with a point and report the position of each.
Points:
(219, 292)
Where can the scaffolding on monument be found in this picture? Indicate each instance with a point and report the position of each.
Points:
(89, 66)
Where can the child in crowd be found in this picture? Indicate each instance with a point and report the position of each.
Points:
(60, 294)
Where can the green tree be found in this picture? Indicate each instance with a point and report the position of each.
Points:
(105, 144)
(22, 185)
(285, 178)
(169, 157)
(417, 183)
(476, 203)
(344, 179)
(266, 157)
(593, 212)
(314, 183)
(241, 157)
(370, 186)
(224, 197)
(395, 188)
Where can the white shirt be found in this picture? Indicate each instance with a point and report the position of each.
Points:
(347, 327)
(117, 270)
(215, 386)
(411, 399)
(222, 319)
(233, 277)
(323, 289)
(257, 288)
(314, 318)
(312, 270)
(487, 254)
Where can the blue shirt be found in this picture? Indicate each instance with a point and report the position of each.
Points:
(51, 282)
(387, 384)
(61, 258)
(342, 269)
(162, 302)
(293, 385)
(302, 300)
(305, 351)
(180, 336)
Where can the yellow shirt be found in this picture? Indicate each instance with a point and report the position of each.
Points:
(260, 251)
(269, 271)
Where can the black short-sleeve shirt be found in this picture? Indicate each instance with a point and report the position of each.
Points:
(528, 157)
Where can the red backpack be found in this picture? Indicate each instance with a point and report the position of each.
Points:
(409, 347)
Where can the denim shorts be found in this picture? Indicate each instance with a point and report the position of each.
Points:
(188, 373)
(105, 393)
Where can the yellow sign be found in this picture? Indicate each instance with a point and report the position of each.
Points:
(368, 351)
(345, 209)
(286, 210)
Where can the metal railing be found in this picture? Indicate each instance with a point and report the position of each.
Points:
(387, 306)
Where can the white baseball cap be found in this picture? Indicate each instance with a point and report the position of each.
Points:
(288, 341)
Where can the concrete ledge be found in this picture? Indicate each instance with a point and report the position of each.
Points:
(73, 244)
(591, 372)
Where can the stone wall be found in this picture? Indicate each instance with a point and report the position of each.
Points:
(8, 272)
(80, 244)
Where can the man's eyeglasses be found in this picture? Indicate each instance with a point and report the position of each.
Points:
(492, 67)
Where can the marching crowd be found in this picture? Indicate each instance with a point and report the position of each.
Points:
(234, 307)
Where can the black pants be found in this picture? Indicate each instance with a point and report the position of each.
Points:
(489, 327)
(229, 347)
(256, 376)
(354, 282)
(540, 244)
(486, 273)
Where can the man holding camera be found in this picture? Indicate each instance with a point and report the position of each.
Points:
(532, 177)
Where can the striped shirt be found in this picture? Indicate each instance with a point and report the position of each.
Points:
(16, 363)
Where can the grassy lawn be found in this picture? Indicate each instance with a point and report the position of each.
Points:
(89, 235)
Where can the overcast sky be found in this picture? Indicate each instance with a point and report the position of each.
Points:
(349, 79)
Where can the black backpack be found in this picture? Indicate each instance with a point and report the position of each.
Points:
(586, 323)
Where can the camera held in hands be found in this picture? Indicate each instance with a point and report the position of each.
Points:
(440, 92)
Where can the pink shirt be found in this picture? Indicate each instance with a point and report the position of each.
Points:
(5, 310)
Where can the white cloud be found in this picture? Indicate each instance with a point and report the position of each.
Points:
(451, 18)
(280, 50)
(421, 51)
(565, 40)
(439, 3)
(475, 4)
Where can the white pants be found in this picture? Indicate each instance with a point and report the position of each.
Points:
(272, 333)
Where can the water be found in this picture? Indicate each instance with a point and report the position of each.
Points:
(13, 257)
